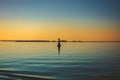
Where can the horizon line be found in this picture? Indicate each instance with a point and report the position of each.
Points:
(61, 40)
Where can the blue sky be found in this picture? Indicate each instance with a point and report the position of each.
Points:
(69, 19)
(60, 9)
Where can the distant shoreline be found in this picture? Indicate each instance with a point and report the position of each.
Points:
(50, 41)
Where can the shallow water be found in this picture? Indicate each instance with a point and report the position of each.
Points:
(76, 61)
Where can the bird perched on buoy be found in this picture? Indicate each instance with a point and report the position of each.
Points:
(58, 45)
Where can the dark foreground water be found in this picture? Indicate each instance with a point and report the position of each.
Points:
(76, 61)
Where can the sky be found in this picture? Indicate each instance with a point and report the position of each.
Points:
(68, 19)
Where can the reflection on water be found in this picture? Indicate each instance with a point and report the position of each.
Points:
(58, 50)
(78, 61)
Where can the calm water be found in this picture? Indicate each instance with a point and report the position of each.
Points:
(76, 61)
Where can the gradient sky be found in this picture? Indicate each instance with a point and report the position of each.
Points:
(67, 19)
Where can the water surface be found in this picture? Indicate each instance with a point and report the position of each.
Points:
(76, 61)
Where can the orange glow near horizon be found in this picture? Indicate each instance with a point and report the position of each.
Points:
(31, 30)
